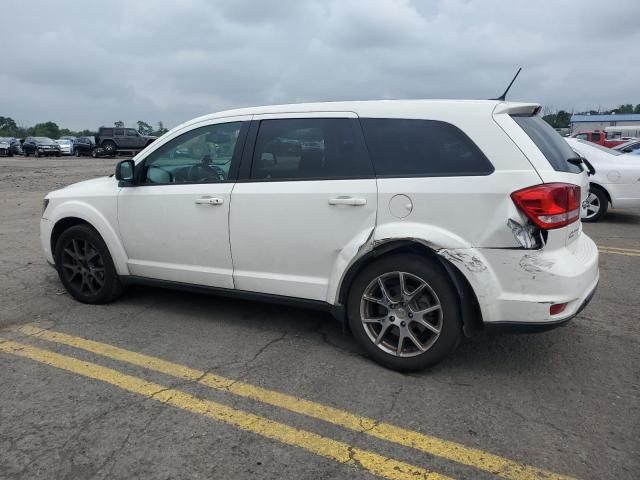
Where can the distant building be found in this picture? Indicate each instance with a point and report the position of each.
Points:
(584, 123)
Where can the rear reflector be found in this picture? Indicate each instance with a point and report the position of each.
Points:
(550, 205)
(557, 308)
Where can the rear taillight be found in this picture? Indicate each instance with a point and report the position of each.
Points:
(550, 205)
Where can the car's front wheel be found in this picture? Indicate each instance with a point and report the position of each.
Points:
(85, 266)
(403, 310)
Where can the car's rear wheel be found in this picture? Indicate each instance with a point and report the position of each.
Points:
(597, 204)
(109, 147)
(85, 266)
(404, 312)
(36, 152)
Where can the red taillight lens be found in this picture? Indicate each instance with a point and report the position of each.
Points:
(550, 205)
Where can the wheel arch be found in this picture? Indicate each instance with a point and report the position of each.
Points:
(606, 192)
(77, 213)
(469, 307)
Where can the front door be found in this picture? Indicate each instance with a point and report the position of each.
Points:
(174, 221)
(307, 202)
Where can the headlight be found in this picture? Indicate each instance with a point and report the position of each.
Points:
(45, 203)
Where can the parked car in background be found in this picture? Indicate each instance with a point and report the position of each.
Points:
(629, 146)
(414, 222)
(5, 148)
(66, 146)
(40, 146)
(616, 182)
(84, 146)
(622, 131)
(112, 139)
(13, 146)
(598, 137)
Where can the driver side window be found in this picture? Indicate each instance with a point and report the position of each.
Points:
(202, 155)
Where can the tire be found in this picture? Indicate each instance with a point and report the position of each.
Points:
(109, 147)
(85, 266)
(94, 153)
(598, 204)
(437, 294)
(25, 153)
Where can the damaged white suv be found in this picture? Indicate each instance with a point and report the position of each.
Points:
(413, 222)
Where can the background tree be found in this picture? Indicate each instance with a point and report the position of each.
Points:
(46, 129)
(118, 124)
(144, 128)
(8, 127)
(161, 130)
(637, 109)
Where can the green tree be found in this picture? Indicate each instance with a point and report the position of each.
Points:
(563, 119)
(46, 129)
(144, 128)
(637, 109)
(627, 108)
(118, 124)
(161, 130)
(8, 127)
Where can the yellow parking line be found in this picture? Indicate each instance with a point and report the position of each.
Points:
(325, 447)
(449, 450)
(631, 252)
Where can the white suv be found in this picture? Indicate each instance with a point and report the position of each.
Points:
(413, 222)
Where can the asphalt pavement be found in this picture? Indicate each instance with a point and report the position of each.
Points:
(164, 384)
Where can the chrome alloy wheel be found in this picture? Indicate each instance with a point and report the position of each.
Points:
(592, 205)
(401, 314)
(83, 267)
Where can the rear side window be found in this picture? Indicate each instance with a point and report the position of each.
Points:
(550, 143)
(425, 148)
(107, 132)
(308, 148)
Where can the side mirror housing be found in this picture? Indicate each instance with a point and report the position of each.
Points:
(125, 172)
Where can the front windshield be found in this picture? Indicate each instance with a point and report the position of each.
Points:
(63, 142)
(44, 140)
(600, 147)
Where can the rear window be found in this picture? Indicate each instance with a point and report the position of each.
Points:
(550, 143)
(425, 148)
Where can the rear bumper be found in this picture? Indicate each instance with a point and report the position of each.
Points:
(517, 287)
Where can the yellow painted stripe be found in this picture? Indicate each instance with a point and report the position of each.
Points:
(449, 450)
(620, 251)
(325, 447)
(629, 250)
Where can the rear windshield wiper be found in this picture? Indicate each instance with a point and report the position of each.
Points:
(580, 161)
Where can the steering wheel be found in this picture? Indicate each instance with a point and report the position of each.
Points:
(204, 172)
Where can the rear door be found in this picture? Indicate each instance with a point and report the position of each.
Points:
(307, 196)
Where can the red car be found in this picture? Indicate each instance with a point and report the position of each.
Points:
(598, 137)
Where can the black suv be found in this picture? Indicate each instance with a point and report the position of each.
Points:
(112, 139)
(84, 146)
(40, 146)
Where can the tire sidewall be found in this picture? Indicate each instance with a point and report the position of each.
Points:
(604, 204)
(435, 275)
(111, 284)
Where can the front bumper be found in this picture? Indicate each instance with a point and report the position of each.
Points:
(46, 226)
(515, 286)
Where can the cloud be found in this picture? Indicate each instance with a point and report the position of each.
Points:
(84, 65)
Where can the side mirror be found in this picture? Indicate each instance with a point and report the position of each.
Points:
(125, 170)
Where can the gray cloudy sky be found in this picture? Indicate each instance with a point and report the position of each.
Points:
(84, 64)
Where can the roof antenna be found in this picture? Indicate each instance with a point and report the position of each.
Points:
(504, 95)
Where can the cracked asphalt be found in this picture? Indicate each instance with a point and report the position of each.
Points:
(565, 401)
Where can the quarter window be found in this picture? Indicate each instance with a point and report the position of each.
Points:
(426, 148)
(202, 155)
(308, 148)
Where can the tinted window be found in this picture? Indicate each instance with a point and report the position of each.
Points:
(428, 148)
(119, 132)
(108, 132)
(308, 148)
(550, 143)
(595, 137)
(131, 132)
(202, 155)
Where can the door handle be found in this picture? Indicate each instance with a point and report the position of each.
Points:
(209, 201)
(344, 200)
